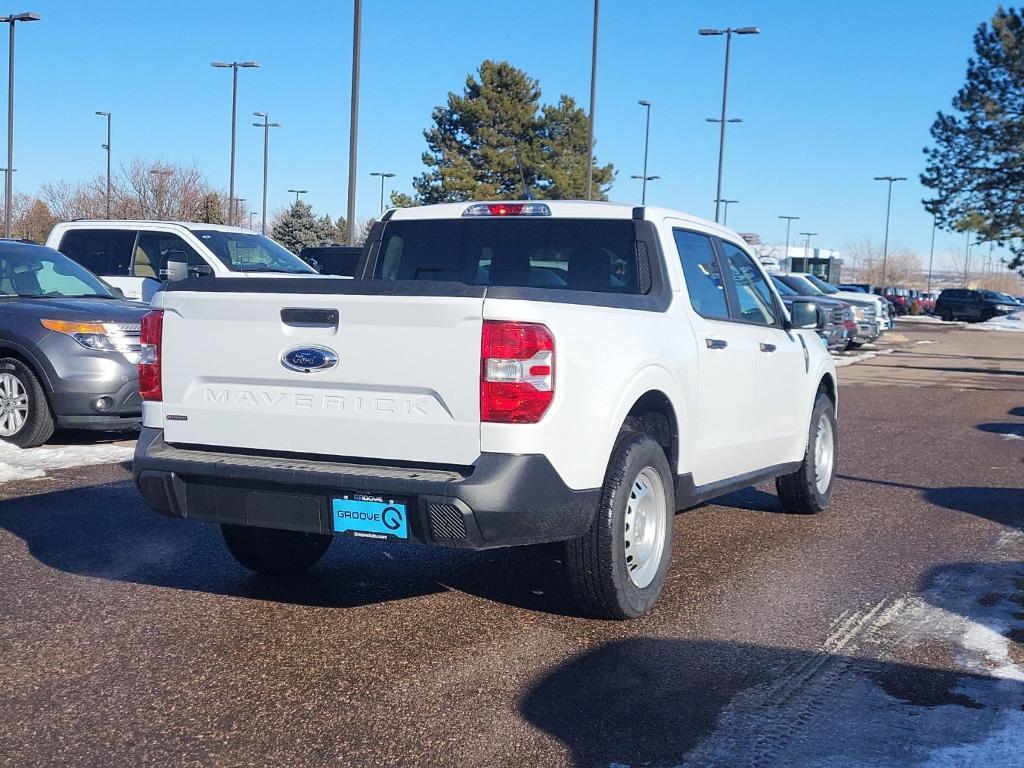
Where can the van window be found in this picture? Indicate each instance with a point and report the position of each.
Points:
(154, 249)
(104, 252)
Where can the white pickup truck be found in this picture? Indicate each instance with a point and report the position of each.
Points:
(498, 374)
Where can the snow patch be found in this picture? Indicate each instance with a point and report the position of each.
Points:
(29, 463)
(1011, 322)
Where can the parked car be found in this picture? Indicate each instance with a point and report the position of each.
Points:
(69, 347)
(340, 260)
(899, 297)
(881, 318)
(967, 304)
(831, 316)
(507, 373)
(139, 256)
(864, 309)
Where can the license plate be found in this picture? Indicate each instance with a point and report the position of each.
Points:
(363, 516)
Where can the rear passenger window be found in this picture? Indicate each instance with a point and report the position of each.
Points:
(104, 252)
(703, 277)
(154, 249)
(752, 291)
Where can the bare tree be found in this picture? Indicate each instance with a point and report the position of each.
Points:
(863, 259)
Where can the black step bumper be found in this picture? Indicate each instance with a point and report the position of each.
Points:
(502, 500)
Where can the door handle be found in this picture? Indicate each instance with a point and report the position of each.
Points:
(768, 347)
(716, 343)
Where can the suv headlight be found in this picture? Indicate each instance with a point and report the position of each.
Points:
(100, 336)
(1006, 308)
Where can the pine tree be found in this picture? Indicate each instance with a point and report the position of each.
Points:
(494, 141)
(976, 167)
(298, 228)
(211, 209)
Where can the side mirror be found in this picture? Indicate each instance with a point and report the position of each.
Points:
(116, 291)
(804, 314)
(175, 269)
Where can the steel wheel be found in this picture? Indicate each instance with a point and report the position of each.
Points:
(645, 523)
(13, 405)
(824, 454)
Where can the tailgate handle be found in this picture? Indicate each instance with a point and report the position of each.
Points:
(310, 318)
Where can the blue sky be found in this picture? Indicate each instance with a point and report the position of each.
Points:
(831, 94)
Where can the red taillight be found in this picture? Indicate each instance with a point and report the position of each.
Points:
(517, 372)
(505, 209)
(151, 336)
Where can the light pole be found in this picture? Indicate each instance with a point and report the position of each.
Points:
(807, 247)
(353, 125)
(297, 193)
(234, 66)
(383, 175)
(107, 147)
(728, 32)
(251, 214)
(789, 223)
(725, 209)
(266, 125)
(587, 193)
(161, 178)
(931, 254)
(888, 207)
(9, 186)
(647, 140)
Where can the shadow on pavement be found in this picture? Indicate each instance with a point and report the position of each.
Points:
(1018, 411)
(1003, 428)
(657, 702)
(106, 531)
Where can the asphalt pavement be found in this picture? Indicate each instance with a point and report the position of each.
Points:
(887, 631)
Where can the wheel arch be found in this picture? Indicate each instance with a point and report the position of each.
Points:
(11, 349)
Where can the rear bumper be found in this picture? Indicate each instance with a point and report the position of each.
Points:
(503, 500)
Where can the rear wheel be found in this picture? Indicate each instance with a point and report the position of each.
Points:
(617, 570)
(25, 418)
(272, 552)
(809, 489)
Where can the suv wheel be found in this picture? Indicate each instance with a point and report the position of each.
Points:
(272, 552)
(987, 315)
(25, 418)
(617, 570)
(809, 490)
(946, 313)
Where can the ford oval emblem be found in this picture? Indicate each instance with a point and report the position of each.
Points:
(309, 359)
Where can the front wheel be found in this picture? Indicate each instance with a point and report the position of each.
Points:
(25, 418)
(809, 490)
(946, 314)
(617, 570)
(272, 552)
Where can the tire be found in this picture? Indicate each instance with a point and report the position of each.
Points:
(946, 314)
(609, 579)
(272, 552)
(987, 315)
(803, 492)
(25, 417)
(855, 345)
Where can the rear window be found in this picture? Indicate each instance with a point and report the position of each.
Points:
(568, 254)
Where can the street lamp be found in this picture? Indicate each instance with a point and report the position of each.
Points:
(807, 247)
(728, 32)
(647, 140)
(644, 179)
(931, 252)
(251, 214)
(234, 66)
(161, 175)
(383, 175)
(888, 206)
(353, 123)
(590, 117)
(789, 223)
(725, 209)
(298, 192)
(107, 147)
(266, 125)
(9, 186)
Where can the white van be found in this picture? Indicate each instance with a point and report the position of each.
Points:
(139, 256)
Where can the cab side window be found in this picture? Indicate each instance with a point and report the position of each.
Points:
(703, 276)
(755, 303)
(104, 252)
(154, 249)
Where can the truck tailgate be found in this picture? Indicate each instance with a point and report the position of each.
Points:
(405, 386)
